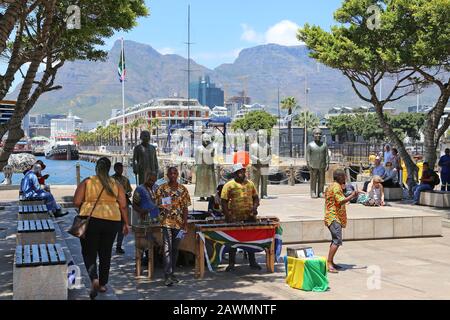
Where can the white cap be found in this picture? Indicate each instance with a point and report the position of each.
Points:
(237, 167)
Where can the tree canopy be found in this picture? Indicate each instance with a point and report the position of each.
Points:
(255, 120)
(34, 34)
(409, 45)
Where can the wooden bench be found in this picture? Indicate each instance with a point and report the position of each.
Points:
(435, 198)
(35, 231)
(40, 272)
(33, 212)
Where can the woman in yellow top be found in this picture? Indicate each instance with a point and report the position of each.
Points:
(106, 198)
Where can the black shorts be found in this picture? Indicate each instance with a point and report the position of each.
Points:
(336, 233)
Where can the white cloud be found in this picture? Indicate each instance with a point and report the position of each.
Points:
(283, 33)
(166, 50)
(251, 35)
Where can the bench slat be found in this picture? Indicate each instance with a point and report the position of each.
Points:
(52, 254)
(39, 225)
(35, 255)
(44, 224)
(27, 256)
(32, 225)
(51, 225)
(20, 226)
(61, 255)
(20, 209)
(26, 226)
(44, 254)
(19, 258)
(43, 208)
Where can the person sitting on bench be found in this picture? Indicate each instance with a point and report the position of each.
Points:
(426, 182)
(390, 177)
(32, 190)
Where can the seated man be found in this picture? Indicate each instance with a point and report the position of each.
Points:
(214, 202)
(239, 203)
(390, 177)
(31, 190)
(426, 182)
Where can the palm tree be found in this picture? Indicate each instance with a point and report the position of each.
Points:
(289, 104)
(307, 117)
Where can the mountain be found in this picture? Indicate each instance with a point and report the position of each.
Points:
(92, 89)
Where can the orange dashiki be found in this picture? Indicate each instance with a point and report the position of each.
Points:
(334, 211)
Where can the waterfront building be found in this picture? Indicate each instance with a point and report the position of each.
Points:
(65, 126)
(246, 108)
(338, 110)
(170, 113)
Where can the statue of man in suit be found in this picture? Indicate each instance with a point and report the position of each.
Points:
(144, 158)
(318, 161)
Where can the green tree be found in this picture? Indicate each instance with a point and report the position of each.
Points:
(289, 104)
(411, 45)
(42, 38)
(255, 120)
(312, 121)
(340, 126)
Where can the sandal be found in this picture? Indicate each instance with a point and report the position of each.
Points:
(102, 289)
(332, 270)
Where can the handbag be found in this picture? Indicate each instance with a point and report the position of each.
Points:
(80, 223)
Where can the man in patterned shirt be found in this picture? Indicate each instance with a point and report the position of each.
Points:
(336, 215)
(240, 203)
(173, 201)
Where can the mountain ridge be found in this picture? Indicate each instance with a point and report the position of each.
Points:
(92, 89)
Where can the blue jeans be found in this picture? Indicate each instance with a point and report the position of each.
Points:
(48, 198)
(419, 188)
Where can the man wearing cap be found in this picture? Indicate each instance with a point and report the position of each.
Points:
(240, 202)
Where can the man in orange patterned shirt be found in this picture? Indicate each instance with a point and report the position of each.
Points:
(336, 215)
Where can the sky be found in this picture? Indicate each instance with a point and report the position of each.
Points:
(221, 29)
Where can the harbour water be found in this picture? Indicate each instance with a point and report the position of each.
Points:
(63, 172)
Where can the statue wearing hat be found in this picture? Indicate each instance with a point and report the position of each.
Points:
(144, 158)
(318, 161)
(205, 185)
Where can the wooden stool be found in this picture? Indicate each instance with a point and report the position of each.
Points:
(143, 241)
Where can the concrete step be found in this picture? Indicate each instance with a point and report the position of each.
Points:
(446, 223)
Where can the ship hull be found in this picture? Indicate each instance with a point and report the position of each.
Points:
(63, 152)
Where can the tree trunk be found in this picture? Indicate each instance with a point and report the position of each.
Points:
(431, 133)
(8, 20)
(14, 135)
(410, 165)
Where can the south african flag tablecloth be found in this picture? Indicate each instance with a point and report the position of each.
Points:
(217, 243)
(309, 274)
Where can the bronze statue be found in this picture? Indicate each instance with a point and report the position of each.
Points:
(318, 161)
(144, 158)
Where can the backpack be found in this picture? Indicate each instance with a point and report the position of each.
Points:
(436, 181)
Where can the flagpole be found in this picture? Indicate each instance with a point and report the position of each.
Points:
(123, 101)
